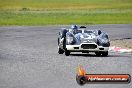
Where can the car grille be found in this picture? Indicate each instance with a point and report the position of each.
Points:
(88, 46)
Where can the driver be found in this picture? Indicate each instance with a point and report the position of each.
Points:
(74, 28)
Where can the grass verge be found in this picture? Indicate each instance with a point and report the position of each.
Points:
(54, 12)
(65, 17)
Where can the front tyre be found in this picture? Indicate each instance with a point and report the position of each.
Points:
(60, 51)
(98, 53)
(64, 43)
(67, 53)
(58, 41)
(105, 53)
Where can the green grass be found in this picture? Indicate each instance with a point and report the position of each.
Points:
(54, 12)
(63, 4)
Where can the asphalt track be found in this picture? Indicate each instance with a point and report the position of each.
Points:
(29, 59)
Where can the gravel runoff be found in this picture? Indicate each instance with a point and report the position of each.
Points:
(123, 43)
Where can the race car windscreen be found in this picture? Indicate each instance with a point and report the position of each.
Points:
(88, 31)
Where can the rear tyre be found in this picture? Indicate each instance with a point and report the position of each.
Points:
(60, 51)
(105, 53)
(98, 53)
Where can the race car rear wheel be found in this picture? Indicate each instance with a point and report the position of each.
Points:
(60, 51)
(105, 53)
(98, 53)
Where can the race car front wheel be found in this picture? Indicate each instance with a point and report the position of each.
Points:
(98, 53)
(67, 53)
(105, 53)
(60, 51)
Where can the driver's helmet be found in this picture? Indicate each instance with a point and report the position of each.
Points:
(74, 27)
(99, 32)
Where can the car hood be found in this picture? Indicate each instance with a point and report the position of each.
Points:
(86, 38)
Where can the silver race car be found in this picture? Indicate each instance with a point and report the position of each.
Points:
(83, 40)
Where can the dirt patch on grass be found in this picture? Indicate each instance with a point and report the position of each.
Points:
(123, 43)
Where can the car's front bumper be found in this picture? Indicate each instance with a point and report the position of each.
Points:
(78, 48)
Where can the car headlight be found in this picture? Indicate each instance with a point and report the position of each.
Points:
(69, 39)
(103, 42)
